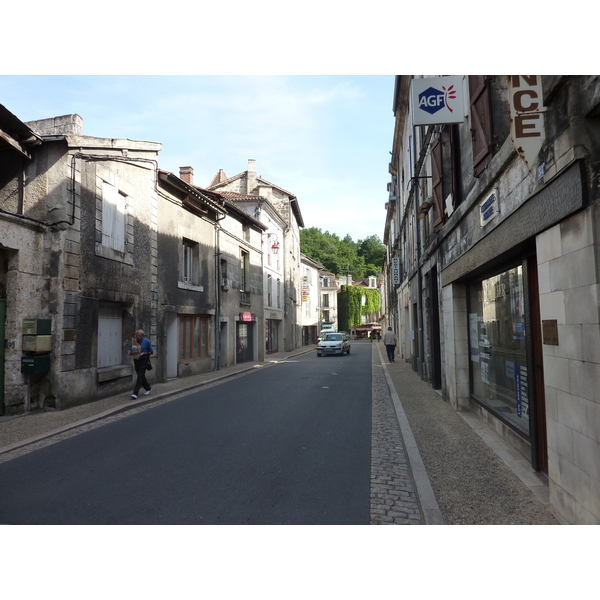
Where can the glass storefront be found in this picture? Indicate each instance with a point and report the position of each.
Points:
(271, 335)
(497, 347)
(244, 342)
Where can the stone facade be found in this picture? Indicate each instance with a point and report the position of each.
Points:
(252, 192)
(477, 221)
(87, 264)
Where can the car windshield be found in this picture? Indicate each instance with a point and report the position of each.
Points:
(333, 337)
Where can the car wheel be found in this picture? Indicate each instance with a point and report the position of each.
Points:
(319, 354)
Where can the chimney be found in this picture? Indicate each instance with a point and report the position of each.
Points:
(251, 181)
(187, 174)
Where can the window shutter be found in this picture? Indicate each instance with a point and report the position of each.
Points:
(438, 193)
(113, 217)
(481, 121)
(109, 209)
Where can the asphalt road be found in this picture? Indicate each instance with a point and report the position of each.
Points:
(289, 444)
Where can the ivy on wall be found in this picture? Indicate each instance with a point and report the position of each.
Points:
(351, 307)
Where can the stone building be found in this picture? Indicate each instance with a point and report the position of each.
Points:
(279, 209)
(24, 293)
(329, 290)
(79, 249)
(311, 300)
(491, 273)
(187, 278)
(209, 280)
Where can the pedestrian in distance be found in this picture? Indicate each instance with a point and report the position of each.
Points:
(389, 339)
(141, 350)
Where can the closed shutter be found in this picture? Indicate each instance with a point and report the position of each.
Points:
(438, 191)
(110, 334)
(481, 121)
(113, 217)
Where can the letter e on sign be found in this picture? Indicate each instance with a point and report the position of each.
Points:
(527, 128)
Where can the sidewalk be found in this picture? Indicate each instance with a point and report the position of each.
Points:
(463, 471)
(19, 431)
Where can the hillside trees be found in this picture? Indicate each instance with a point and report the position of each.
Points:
(360, 259)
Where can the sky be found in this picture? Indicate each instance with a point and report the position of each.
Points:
(325, 138)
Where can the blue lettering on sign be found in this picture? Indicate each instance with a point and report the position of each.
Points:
(431, 100)
(488, 213)
(488, 203)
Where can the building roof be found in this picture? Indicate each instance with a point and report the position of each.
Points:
(14, 134)
(220, 180)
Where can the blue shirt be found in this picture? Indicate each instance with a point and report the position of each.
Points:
(146, 348)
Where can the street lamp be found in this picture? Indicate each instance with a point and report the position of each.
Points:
(275, 246)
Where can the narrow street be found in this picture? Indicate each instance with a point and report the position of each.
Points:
(296, 440)
(285, 445)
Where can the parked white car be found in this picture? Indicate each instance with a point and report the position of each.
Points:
(334, 343)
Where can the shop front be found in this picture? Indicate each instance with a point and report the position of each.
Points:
(362, 332)
(244, 343)
(271, 335)
(502, 336)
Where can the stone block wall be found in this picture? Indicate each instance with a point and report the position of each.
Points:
(569, 283)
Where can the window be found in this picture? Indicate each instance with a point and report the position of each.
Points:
(244, 275)
(279, 293)
(326, 316)
(190, 256)
(110, 334)
(113, 217)
(193, 336)
(326, 300)
(497, 342)
(269, 290)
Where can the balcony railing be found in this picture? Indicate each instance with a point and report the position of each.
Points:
(244, 297)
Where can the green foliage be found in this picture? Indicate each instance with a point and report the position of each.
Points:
(360, 259)
(351, 307)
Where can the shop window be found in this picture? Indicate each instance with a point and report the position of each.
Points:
(193, 336)
(497, 343)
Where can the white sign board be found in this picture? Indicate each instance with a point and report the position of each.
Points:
(396, 270)
(438, 100)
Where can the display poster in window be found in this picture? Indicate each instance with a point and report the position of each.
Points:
(497, 340)
(474, 337)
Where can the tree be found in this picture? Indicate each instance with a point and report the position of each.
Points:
(360, 259)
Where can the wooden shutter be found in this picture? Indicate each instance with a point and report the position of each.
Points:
(437, 178)
(113, 217)
(110, 334)
(481, 121)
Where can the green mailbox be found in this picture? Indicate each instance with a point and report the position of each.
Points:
(35, 364)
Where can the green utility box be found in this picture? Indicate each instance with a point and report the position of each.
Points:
(35, 364)
(37, 326)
